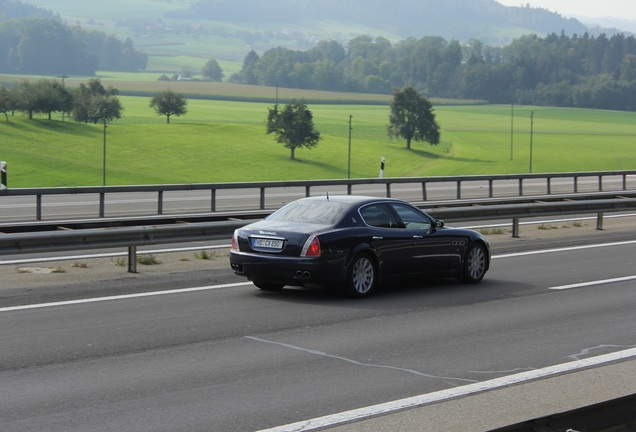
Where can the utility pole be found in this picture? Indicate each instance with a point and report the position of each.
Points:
(104, 167)
(531, 133)
(349, 159)
(512, 123)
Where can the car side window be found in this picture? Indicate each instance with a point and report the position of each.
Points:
(379, 215)
(412, 218)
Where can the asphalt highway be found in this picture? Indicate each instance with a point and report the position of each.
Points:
(202, 350)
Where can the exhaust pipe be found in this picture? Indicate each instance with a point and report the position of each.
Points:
(300, 274)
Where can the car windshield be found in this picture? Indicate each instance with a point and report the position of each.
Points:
(321, 212)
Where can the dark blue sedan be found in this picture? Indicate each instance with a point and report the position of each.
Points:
(355, 243)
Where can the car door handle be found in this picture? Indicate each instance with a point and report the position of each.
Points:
(418, 237)
(378, 238)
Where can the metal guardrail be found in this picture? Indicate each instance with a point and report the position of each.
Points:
(132, 237)
(307, 185)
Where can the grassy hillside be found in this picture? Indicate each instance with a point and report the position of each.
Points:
(225, 141)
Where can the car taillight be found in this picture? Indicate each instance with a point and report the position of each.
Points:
(312, 247)
(235, 241)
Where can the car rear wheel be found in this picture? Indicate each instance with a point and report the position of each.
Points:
(475, 264)
(268, 286)
(362, 277)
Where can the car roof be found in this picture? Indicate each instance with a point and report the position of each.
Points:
(349, 199)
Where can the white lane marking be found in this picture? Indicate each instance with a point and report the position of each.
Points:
(592, 283)
(548, 221)
(442, 395)
(564, 249)
(122, 297)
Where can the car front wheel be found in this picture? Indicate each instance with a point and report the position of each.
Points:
(362, 277)
(475, 264)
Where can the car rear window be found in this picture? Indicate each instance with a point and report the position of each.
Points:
(310, 211)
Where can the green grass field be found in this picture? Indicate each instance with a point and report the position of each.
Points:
(221, 141)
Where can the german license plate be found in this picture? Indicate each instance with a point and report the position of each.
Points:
(267, 243)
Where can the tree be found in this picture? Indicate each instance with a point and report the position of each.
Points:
(7, 101)
(212, 71)
(169, 103)
(412, 118)
(93, 103)
(293, 126)
(247, 75)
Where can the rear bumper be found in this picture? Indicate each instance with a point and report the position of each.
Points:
(289, 271)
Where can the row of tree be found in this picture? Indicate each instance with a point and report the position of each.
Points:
(45, 46)
(577, 71)
(88, 103)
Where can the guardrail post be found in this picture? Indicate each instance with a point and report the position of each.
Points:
(624, 181)
(213, 199)
(576, 184)
(388, 190)
(424, 197)
(160, 202)
(349, 189)
(599, 221)
(307, 191)
(490, 188)
(38, 207)
(262, 198)
(132, 259)
(520, 187)
(600, 183)
(3, 175)
(549, 186)
(102, 204)
(459, 189)
(515, 227)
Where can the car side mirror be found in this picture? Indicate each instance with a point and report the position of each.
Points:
(439, 223)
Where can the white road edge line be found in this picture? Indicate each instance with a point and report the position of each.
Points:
(123, 297)
(425, 399)
(564, 249)
(592, 283)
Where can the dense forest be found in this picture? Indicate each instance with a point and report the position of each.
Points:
(33, 41)
(558, 70)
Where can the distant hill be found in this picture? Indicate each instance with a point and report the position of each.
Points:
(463, 20)
(486, 20)
(12, 9)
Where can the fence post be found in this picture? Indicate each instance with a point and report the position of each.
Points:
(3, 175)
(132, 259)
(160, 203)
(515, 227)
(599, 221)
(102, 204)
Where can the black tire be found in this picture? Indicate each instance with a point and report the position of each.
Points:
(268, 286)
(475, 264)
(362, 277)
